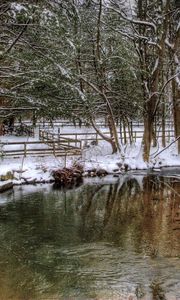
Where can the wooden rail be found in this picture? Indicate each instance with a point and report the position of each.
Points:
(49, 137)
(75, 140)
(90, 136)
(84, 124)
(62, 144)
(28, 149)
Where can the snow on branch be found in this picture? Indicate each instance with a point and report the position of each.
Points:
(75, 88)
(169, 44)
(156, 65)
(134, 21)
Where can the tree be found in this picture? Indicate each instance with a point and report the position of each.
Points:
(148, 27)
(68, 62)
(100, 79)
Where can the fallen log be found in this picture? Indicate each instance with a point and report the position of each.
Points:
(5, 185)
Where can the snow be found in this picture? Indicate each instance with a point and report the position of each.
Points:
(71, 44)
(63, 71)
(17, 7)
(155, 66)
(33, 169)
(98, 157)
(39, 169)
(2, 182)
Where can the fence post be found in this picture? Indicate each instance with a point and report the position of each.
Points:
(25, 149)
(59, 133)
(131, 130)
(65, 159)
(59, 136)
(120, 131)
(96, 137)
(43, 136)
(169, 134)
(124, 129)
(54, 148)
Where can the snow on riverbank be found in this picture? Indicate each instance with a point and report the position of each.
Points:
(32, 169)
(101, 157)
(39, 169)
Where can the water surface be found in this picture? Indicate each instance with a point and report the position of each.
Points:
(108, 239)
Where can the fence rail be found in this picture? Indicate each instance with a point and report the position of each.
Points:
(78, 138)
(64, 144)
(62, 140)
(83, 123)
(28, 148)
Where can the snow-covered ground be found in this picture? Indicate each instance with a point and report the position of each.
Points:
(100, 157)
(39, 169)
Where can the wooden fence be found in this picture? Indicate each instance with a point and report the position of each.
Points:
(61, 144)
(76, 139)
(64, 123)
(34, 148)
(62, 140)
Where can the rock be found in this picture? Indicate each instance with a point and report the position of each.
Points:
(116, 170)
(4, 186)
(126, 167)
(91, 172)
(94, 143)
(85, 174)
(9, 176)
(101, 172)
(119, 164)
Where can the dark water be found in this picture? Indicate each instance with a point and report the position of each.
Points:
(103, 240)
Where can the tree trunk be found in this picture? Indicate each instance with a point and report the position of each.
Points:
(149, 118)
(147, 137)
(1, 128)
(154, 133)
(163, 124)
(176, 107)
(113, 143)
(106, 138)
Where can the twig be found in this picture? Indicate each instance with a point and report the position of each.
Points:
(18, 37)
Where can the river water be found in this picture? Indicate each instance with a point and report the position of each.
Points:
(115, 238)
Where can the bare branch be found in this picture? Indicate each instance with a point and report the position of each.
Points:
(17, 38)
(167, 146)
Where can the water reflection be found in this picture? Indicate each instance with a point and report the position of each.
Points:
(99, 241)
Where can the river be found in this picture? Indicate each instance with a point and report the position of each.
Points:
(111, 238)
